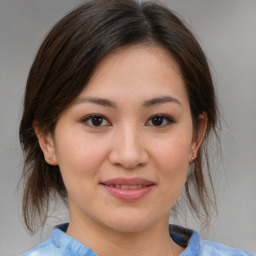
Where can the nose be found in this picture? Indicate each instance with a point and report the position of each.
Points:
(128, 149)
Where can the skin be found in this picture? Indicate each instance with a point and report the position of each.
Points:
(126, 144)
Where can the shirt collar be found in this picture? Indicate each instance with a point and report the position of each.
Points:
(72, 246)
(68, 244)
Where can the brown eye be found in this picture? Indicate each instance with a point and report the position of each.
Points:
(159, 120)
(96, 121)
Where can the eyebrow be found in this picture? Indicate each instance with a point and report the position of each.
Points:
(99, 101)
(147, 103)
(161, 100)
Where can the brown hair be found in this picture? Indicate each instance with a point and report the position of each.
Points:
(66, 61)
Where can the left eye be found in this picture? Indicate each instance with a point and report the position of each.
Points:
(159, 120)
(96, 121)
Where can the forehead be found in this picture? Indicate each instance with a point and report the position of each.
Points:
(140, 71)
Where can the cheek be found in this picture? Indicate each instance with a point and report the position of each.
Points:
(78, 156)
(79, 164)
(172, 162)
(173, 167)
(173, 153)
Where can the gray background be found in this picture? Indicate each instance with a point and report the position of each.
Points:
(226, 31)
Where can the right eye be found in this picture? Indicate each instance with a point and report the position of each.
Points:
(96, 120)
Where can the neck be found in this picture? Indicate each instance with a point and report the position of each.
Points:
(150, 241)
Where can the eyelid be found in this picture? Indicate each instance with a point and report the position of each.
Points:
(165, 116)
(90, 116)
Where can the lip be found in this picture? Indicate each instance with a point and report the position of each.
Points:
(128, 194)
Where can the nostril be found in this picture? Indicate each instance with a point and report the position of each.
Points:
(127, 149)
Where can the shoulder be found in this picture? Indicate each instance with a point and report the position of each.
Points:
(60, 244)
(209, 248)
(46, 248)
(196, 246)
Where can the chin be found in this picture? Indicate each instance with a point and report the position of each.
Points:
(128, 223)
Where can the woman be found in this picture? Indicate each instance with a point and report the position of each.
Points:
(118, 107)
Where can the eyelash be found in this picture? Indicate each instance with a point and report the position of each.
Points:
(164, 117)
(89, 119)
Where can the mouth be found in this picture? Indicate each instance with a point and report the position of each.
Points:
(128, 189)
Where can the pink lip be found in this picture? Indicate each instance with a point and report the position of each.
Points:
(128, 194)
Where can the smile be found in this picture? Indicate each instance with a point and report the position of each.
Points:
(128, 189)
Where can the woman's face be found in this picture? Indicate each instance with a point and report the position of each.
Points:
(124, 146)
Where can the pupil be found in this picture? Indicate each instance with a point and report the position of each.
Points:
(157, 120)
(97, 120)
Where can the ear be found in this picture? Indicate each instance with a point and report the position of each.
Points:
(47, 145)
(198, 137)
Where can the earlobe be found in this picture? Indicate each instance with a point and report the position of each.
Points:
(47, 146)
(199, 137)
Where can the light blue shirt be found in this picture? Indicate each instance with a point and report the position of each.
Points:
(61, 244)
